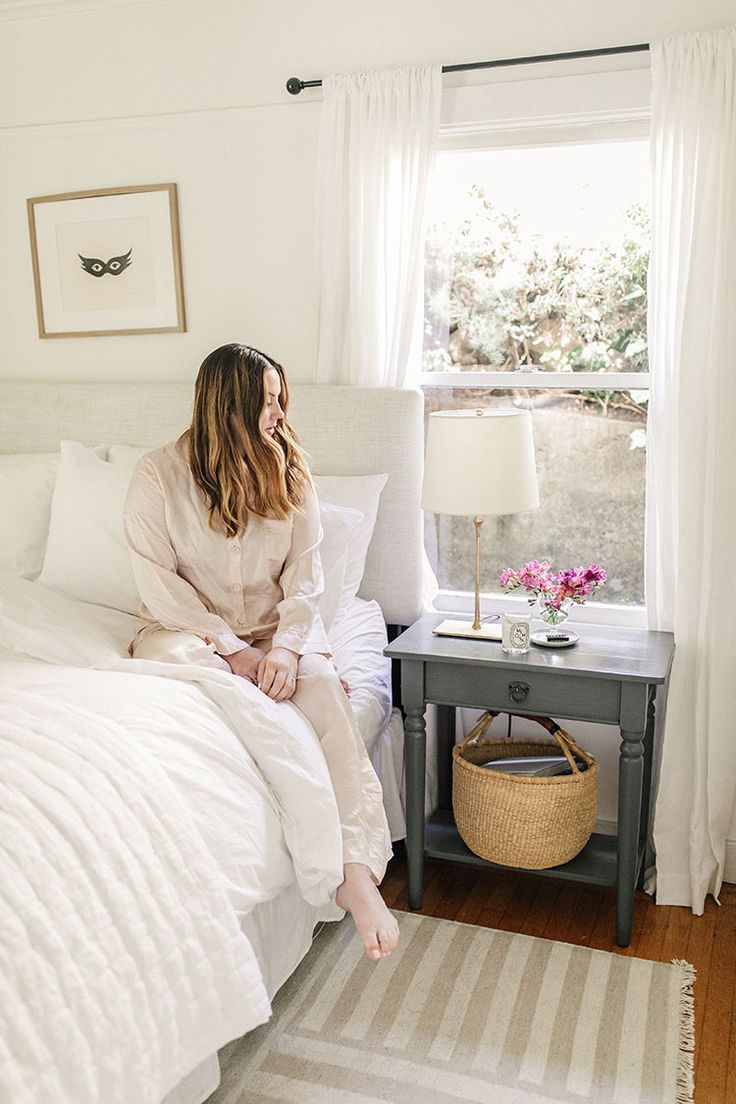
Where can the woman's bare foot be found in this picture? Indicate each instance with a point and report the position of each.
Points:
(359, 896)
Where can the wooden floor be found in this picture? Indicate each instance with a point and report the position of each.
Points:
(585, 915)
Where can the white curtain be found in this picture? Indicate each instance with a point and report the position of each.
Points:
(378, 139)
(691, 453)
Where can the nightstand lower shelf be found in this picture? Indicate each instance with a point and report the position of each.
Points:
(596, 863)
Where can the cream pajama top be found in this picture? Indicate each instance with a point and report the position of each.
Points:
(229, 590)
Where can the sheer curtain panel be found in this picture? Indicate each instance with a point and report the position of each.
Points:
(691, 452)
(378, 138)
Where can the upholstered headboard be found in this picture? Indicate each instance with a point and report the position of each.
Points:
(346, 430)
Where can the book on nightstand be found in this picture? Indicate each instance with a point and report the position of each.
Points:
(535, 765)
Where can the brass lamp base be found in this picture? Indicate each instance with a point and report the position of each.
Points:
(468, 628)
(465, 628)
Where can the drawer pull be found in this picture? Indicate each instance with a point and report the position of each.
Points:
(518, 691)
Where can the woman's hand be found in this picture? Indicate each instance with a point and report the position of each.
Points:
(277, 674)
(245, 663)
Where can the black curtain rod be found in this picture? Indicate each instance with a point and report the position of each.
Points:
(295, 85)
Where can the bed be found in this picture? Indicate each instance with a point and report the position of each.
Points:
(166, 853)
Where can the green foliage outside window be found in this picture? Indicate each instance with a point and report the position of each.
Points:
(495, 302)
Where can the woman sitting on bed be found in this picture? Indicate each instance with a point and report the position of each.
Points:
(224, 529)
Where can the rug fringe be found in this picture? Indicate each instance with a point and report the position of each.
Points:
(686, 1050)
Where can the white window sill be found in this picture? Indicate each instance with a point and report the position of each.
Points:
(592, 613)
(540, 380)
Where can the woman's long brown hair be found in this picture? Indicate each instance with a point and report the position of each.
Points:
(240, 469)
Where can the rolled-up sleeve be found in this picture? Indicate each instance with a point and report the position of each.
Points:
(166, 596)
(299, 622)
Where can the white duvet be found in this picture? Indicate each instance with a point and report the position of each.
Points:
(143, 807)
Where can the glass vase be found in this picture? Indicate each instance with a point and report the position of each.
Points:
(552, 615)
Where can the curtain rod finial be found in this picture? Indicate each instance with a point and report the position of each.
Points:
(294, 85)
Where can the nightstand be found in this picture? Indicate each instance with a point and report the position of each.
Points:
(611, 676)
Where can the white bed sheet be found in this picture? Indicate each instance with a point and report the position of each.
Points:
(358, 638)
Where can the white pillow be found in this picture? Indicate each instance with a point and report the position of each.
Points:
(86, 554)
(26, 487)
(357, 492)
(338, 527)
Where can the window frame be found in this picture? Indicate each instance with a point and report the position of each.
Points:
(615, 119)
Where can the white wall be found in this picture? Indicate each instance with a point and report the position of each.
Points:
(108, 92)
(98, 93)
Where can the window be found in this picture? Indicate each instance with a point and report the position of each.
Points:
(535, 296)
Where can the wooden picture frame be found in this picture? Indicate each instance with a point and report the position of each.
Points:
(107, 261)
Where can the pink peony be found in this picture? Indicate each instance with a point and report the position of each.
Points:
(574, 584)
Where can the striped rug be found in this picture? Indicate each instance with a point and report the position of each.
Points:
(461, 1013)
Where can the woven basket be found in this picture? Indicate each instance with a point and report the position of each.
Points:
(517, 820)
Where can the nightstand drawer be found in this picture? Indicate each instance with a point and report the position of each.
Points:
(584, 699)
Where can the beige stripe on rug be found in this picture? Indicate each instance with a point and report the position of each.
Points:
(466, 1014)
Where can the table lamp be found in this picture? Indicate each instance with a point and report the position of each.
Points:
(478, 462)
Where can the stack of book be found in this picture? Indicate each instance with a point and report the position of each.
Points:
(538, 765)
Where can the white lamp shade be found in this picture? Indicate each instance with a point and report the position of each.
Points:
(480, 462)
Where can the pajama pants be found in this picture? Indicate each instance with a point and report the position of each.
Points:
(321, 698)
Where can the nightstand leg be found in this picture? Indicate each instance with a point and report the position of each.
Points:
(648, 761)
(415, 753)
(630, 787)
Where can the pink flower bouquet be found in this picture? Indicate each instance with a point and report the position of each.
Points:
(556, 591)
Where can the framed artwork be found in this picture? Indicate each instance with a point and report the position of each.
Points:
(107, 262)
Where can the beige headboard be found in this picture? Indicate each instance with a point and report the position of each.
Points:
(346, 430)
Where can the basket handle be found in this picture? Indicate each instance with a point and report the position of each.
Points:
(479, 730)
(567, 745)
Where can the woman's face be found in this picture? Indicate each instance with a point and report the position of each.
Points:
(272, 412)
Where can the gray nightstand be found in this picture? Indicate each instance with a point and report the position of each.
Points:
(610, 676)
